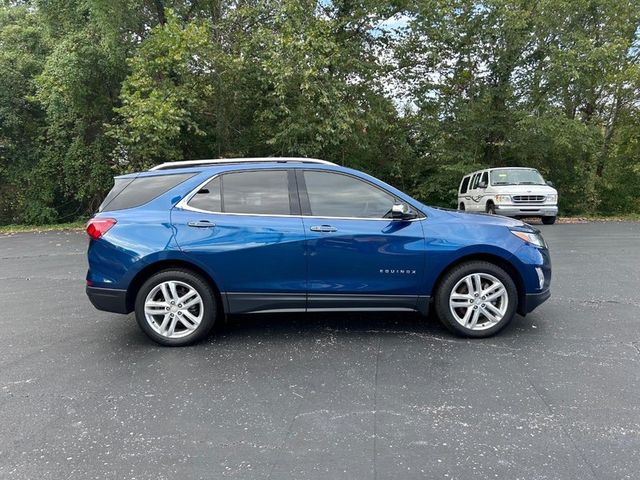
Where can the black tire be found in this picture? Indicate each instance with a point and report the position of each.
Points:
(449, 281)
(461, 207)
(549, 220)
(491, 208)
(209, 305)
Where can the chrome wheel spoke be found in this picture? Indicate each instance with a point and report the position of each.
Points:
(497, 293)
(494, 310)
(474, 319)
(189, 320)
(188, 297)
(156, 308)
(164, 288)
(165, 323)
(490, 315)
(172, 326)
(173, 291)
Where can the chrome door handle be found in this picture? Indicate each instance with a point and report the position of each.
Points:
(323, 228)
(202, 224)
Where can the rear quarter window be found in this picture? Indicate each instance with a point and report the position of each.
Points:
(140, 190)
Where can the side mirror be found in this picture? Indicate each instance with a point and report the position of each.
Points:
(482, 185)
(550, 183)
(400, 211)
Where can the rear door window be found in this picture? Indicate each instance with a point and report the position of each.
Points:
(140, 190)
(465, 185)
(257, 192)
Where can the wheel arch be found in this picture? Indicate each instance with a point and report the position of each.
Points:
(488, 203)
(501, 262)
(155, 267)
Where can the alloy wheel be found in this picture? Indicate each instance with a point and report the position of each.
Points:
(173, 309)
(478, 301)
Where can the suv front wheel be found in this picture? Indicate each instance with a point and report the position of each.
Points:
(476, 299)
(176, 307)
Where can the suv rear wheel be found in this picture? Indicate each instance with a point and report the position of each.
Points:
(476, 299)
(176, 307)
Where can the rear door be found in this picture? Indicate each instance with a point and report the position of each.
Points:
(473, 193)
(357, 258)
(245, 228)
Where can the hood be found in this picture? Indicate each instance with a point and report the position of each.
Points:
(476, 218)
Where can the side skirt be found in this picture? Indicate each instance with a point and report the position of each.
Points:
(241, 302)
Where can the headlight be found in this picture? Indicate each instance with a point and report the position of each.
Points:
(553, 198)
(532, 238)
(503, 199)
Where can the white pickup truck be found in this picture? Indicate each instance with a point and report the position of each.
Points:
(510, 191)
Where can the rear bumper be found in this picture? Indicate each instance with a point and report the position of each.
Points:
(108, 299)
(527, 210)
(533, 300)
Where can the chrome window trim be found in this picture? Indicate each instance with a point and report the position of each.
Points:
(184, 204)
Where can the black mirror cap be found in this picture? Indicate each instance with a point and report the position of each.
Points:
(550, 183)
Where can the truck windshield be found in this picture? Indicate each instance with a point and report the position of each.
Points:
(516, 176)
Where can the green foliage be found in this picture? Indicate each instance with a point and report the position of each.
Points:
(418, 93)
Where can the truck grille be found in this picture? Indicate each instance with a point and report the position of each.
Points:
(528, 198)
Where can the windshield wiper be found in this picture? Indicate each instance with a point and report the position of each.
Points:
(529, 183)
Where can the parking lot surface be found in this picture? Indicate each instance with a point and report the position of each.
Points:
(84, 394)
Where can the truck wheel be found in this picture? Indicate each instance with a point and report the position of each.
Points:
(549, 220)
(491, 208)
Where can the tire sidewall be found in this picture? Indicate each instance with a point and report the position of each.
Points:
(449, 281)
(208, 301)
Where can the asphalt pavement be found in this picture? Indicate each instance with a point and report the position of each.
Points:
(84, 394)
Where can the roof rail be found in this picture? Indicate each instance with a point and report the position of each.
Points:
(222, 161)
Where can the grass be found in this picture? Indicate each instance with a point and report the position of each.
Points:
(55, 227)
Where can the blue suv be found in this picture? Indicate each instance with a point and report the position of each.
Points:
(188, 242)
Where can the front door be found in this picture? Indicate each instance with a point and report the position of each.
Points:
(357, 258)
(245, 229)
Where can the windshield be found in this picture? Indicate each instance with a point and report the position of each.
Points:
(516, 176)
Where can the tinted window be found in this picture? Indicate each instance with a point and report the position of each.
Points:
(474, 182)
(142, 190)
(465, 185)
(335, 195)
(119, 185)
(485, 178)
(208, 198)
(262, 192)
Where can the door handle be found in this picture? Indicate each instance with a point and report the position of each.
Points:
(202, 224)
(323, 228)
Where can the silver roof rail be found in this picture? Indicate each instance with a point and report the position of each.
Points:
(219, 161)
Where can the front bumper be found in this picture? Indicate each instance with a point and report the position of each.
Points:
(533, 300)
(108, 299)
(527, 210)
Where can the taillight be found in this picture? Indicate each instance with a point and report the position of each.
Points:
(97, 227)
